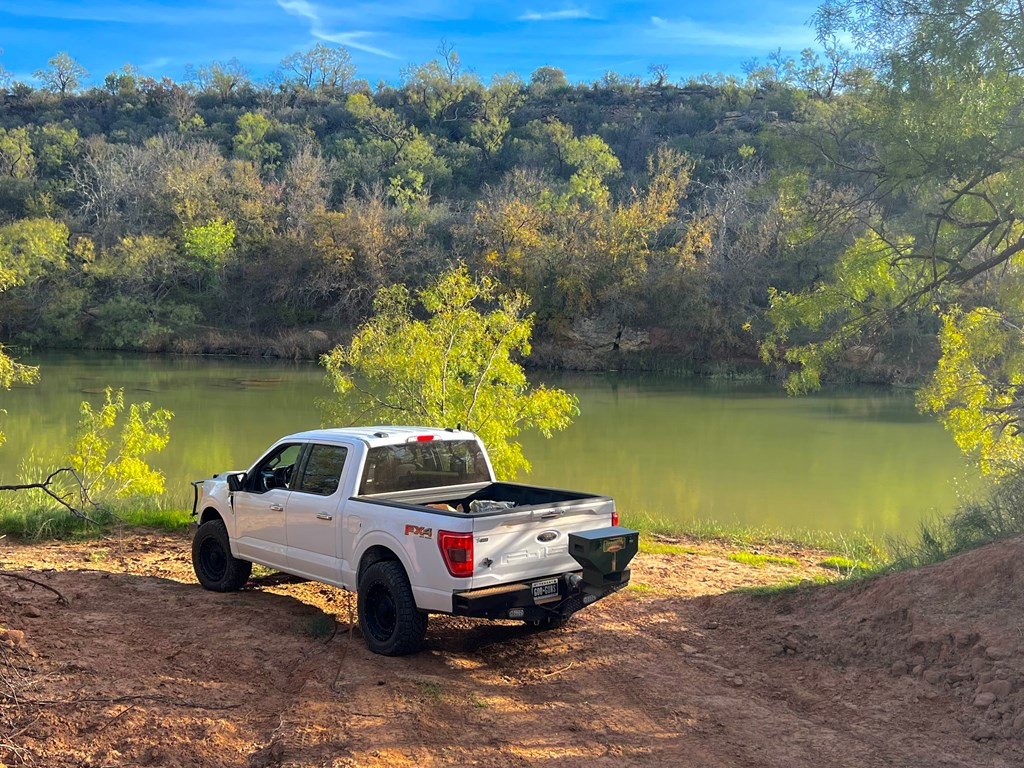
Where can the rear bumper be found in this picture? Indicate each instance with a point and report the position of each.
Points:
(516, 600)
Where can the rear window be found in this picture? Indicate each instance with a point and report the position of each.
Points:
(428, 464)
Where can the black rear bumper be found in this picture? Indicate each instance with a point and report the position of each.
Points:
(516, 600)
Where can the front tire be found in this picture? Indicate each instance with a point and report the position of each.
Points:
(388, 618)
(216, 568)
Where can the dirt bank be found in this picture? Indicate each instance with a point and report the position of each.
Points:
(142, 667)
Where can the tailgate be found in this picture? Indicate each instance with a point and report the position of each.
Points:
(532, 542)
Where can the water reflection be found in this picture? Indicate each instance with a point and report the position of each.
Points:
(857, 459)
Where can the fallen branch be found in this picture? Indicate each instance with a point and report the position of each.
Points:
(45, 488)
(559, 671)
(134, 697)
(60, 597)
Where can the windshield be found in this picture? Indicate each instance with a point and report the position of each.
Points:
(425, 464)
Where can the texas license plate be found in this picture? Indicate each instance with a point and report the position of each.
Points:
(545, 590)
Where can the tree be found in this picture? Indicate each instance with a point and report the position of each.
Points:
(5, 76)
(935, 150)
(122, 82)
(322, 69)
(17, 159)
(456, 367)
(27, 248)
(64, 76)
(251, 140)
(545, 80)
(440, 86)
(144, 431)
(225, 79)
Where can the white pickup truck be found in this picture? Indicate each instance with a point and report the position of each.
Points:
(413, 520)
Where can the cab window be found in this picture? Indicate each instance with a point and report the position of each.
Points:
(322, 471)
(277, 470)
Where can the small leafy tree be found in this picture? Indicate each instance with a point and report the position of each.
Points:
(455, 367)
(144, 431)
(64, 75)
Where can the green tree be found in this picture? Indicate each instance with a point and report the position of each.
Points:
(322, 69)
(251, 142)
(455, 367)
(126, 473)
(64, 75)
(208, 246)
(936, 151)
(17, 159)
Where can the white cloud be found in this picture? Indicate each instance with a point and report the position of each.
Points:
(565, 15)
(767, 37)
(307, 10)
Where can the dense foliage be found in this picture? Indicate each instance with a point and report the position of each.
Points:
(840, 212)
(220, 213)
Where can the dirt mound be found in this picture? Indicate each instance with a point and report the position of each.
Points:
(958, 626)
(142, 667)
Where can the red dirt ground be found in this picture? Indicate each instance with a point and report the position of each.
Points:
(144, 668)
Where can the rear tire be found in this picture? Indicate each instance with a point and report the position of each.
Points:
(388, 618)
(216, 568)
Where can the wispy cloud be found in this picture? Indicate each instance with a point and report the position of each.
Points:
(736, 36)
(564, 15)
(307, 10)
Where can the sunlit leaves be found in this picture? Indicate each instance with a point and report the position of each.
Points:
(209, 245)
(865, 283)
(457, 367)
(144, 431)
(978, 385)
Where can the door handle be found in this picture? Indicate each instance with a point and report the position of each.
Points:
(324, 516)
(276, 508)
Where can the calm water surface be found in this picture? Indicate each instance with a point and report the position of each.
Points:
(854, 460)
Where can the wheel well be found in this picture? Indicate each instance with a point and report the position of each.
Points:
(209, 514)
(374, 555)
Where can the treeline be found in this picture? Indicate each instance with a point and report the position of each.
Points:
(223, 214)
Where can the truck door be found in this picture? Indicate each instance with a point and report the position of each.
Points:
(313, 514)
(260, 506)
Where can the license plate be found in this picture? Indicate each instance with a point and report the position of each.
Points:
(545, 590)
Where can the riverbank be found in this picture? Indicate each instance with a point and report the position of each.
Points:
(28, 524)
(141, 666)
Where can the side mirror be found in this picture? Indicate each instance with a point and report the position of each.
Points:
(235, 482)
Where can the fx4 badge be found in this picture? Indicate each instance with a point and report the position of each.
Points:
(419, 530)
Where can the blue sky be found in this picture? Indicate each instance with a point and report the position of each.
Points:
(583, 38)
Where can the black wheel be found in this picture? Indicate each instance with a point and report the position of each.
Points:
(388, 618)
(214, 565)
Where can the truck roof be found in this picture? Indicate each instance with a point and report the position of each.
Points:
(384, 434)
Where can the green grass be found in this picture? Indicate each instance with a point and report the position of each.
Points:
(655, 547)
(430, 688)
(856, 546)
(759, 561)
(32, 516)
(845, 564)
(791, 585)
(639, 587)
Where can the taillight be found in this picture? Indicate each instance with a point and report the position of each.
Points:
(615, 517)
(457, 551)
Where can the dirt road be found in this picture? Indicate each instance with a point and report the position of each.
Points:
(143, 668)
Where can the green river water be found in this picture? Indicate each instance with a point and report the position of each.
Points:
(687, 449)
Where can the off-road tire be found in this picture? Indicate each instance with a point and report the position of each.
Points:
(388, 618)
(213, 562)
